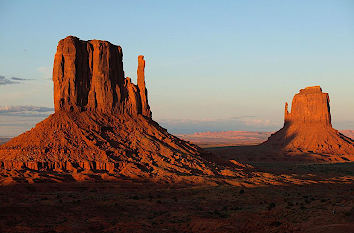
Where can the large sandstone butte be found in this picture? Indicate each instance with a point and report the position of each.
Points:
(102, 122)
(308, 128)
(89, 76)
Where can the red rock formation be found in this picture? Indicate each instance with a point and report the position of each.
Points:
(132, 102)
(89, 75)
(142, 89)
(102, 121)
(309, 107)
(308, 128)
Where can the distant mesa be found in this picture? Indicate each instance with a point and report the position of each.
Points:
(226, 138)
(348, 133)
(102, 122)
(308, 128)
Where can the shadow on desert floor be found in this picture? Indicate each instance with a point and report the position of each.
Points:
(129, 206)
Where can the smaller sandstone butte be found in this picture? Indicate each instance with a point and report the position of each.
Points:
(309, 107)
(308, 128)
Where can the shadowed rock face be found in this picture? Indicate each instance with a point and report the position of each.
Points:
(308, 128)
(102, 121)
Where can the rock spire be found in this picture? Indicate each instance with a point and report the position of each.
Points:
(142, 89)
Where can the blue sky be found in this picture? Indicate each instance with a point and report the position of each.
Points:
(210, 65)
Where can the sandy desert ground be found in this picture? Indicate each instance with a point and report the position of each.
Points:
(126, 206)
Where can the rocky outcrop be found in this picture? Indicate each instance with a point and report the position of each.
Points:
(58, 166)
(102, 121)
(309, 107)
(308, 128)
(89, 76)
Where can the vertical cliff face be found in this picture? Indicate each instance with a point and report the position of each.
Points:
(89, 76)
(308, 128)
(310, 107)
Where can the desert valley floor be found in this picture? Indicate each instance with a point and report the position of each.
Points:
(322, 204)
(319, 198)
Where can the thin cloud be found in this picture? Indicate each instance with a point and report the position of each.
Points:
(241, 117)
(12, 80)
(6, 81)
(19, 79)
(27, 110)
